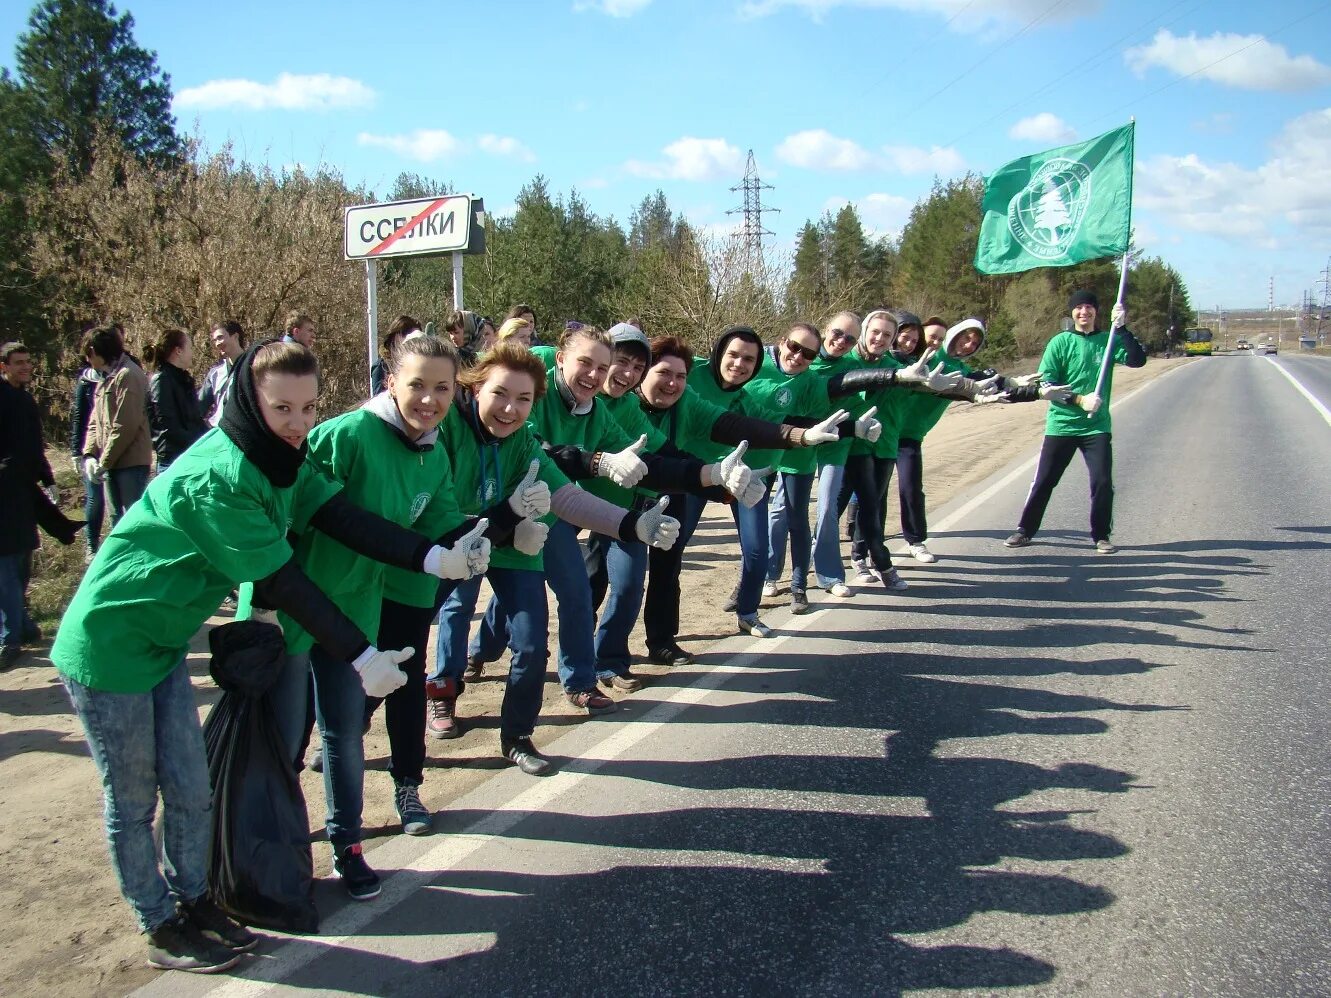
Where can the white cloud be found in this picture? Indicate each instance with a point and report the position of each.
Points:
(944, 161)
(594, 184)
(614, 8)
(424, 144)
(1043, 127)
(692, 159)
(817, 149)
(1247, 62)
(1290, 191)
(503, 145)
(289, 92)
(961, 15)
(1220, 123)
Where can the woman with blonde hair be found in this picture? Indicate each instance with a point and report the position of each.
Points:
(517, 330)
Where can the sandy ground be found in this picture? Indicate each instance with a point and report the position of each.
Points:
(67, 929)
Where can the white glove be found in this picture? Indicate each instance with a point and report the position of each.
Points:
(868, 428)
(1056, 393)
(731, 473)
(938, 382)
(532, 497)
(623, 467)
(657, 530)
(823, 433)
(93, 470)
(989, 398)
(755, 490)
(468, 557)
(988, 386)
(529, 536)
(1090, 404)
(379, 672)
(1026, 380)
(1118, 317)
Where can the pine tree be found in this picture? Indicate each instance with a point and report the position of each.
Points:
(1050, 212)
(82, 72)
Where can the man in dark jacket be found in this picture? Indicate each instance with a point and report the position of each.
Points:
(23, 471)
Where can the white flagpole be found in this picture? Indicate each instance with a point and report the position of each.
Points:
(1108, 358)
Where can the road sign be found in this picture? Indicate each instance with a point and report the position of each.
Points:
(407, 228)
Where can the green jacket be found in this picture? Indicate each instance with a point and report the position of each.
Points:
(208, 523)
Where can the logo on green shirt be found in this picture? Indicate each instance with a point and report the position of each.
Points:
(487, 491)
(783, 397)
(418, 506)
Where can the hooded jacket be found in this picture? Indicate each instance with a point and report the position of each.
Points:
(80, 412)
(923, 410)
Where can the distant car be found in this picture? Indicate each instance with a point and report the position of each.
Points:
(1242, 345)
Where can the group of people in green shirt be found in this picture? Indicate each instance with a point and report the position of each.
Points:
(355, 535)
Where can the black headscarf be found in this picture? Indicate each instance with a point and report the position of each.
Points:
(242, 421)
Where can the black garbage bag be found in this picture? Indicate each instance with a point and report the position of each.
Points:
(260, 868)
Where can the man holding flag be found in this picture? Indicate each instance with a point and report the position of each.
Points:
(1055, 209)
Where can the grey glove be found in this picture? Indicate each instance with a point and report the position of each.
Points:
(1056, 393)
(532, 497)
(825, 432)
(469, 557)
(529, 536)
(379, 672)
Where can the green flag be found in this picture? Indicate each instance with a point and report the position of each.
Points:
(1059, 207)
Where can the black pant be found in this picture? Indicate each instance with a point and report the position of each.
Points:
(402, 626)
(660, 607)
(1055, 456)
(867, 478)
(910, 483)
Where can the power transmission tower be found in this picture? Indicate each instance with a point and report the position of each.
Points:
(752, 231)
(1325, 282)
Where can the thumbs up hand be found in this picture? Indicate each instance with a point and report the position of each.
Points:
(868, 428)
(657, 530)
(532, 497)
(470, 556)
(623, 467)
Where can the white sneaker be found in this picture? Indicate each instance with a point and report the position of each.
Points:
(752, 625)
(922, 554)
(840, 589)
(892, 580)
(769, 588)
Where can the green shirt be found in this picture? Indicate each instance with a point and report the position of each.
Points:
(485, 473)
(775, 395)
(1073, 359)
(922, 410)
(379, 473)
(891, 403)
(835, 454)
(208, 523)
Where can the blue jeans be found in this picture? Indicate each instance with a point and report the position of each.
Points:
(617, 571)
(125, 485)
(339, 707)
(141, 742)
(788, 516)
(14, 618)
(827, 561)
(566, 575)
(94, 509)
(520, 603)
(751, 523)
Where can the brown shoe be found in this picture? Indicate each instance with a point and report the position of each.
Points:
(441, 700)
(475, 667)
(592, 701)
(628, 682)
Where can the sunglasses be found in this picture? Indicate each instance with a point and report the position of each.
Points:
(840, 334)
(808, 353)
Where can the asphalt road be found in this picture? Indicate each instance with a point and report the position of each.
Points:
(1041, 769)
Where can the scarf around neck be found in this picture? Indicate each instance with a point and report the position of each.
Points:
(243, 423)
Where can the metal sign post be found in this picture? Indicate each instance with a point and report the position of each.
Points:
(372, 311)
(457, 281)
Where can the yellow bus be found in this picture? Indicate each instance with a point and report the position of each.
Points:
(1198, 342)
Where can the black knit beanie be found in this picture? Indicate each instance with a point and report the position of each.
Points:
(1083, 298)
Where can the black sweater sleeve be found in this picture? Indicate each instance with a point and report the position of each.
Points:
(863, 380)
(371, 535)
(1136, 353)
(731, 428)
(291, 591)
(575, 463)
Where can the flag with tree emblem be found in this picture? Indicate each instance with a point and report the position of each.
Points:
(1060, 207)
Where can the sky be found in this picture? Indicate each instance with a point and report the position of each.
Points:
(860, 101)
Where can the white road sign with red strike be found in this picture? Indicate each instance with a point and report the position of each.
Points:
(404, 228)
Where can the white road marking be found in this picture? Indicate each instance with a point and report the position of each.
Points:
(1322, 410)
